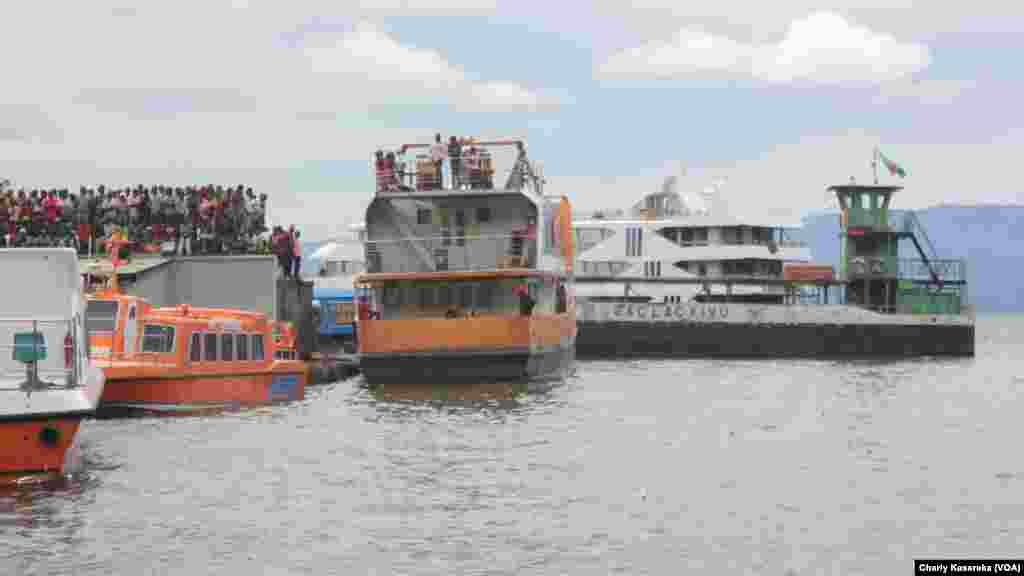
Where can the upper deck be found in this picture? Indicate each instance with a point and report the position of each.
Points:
(452, 210)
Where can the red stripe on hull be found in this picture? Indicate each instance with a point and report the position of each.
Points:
(35, 446)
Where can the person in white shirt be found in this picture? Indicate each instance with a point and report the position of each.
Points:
(438, 151)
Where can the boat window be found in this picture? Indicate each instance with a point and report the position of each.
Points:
(210, 347)
(257, 347)
(423, 216)
(156, 338)
(242, 346)
(483, 214)
(466, 296)
(485, 296)
(195, 351)
(444, 296)
(227, 347)
(426, 295)
(101, 316)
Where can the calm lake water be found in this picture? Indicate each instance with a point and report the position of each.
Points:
(777, 467)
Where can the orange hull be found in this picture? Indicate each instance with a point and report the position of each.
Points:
(36, 446)
(203, 390)
(485, 333)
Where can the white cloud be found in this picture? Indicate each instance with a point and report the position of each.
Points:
(368, 60)
(822, 47)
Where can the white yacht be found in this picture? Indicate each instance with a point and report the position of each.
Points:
(339, 260)
(668, 235)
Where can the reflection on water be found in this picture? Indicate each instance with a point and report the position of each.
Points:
(636, 467)
(510, 392)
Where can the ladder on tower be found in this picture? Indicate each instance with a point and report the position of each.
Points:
(915, 231)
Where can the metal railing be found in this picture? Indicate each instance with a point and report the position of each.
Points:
(39, 354)
(399, 172)
(949, 270)
(451, 253)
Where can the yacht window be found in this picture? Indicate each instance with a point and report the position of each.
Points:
(700, 236)
(257, 347)
(483, 214)
(210, 347)
(702, 269)
(227, 347)
(242, 346)
(195, 350)
(156, 338)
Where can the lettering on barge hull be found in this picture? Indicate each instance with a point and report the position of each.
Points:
(752, 314)
(689, 312)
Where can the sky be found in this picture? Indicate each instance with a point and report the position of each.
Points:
(777, 100)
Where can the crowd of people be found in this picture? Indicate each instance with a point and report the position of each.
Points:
(185, 219)
(468, 166)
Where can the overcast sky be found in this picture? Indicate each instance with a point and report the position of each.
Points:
(780, 99)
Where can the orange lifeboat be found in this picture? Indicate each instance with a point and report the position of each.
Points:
(184, 359)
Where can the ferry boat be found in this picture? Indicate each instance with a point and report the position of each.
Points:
(47, 381)
(673, 286)
(185, 359)
(471, 282)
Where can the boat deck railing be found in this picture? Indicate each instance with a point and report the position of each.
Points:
(948, 271)
(38, 354)
(450, 253)
(411, 168)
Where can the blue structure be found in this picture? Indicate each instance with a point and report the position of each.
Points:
(335, 313)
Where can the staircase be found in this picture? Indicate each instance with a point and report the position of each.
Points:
(406, 230)
(913, 229)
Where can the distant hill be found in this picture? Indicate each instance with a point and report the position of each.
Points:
(990, 237)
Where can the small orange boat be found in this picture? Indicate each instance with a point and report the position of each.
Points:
(183, 359)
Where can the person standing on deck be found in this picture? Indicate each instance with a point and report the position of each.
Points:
(296, 253)
(282, 249)
(455, 161)
(437, 154)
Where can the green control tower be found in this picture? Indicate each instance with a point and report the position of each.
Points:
(869, 245)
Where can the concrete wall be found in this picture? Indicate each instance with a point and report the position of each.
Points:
(295, 305)
(245, 282)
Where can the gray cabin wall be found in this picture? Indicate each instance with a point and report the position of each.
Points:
(389, 221)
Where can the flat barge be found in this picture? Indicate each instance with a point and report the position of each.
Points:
(878, 306)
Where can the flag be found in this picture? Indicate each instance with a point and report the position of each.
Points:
(894, 168)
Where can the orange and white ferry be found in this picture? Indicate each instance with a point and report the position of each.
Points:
(47, 383)
(184, 359)
(469, 282)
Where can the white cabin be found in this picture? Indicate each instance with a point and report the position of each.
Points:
(662, 237)
(44, 350)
